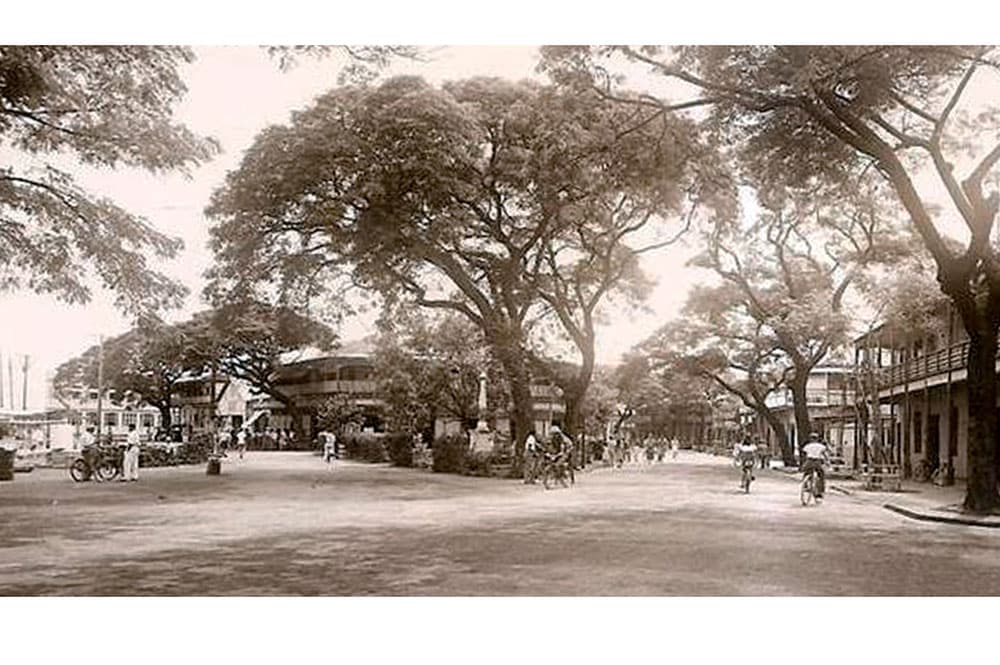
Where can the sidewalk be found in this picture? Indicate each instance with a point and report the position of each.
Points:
(919, 501)
(922, 501)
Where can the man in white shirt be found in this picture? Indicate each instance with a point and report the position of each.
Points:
(241, 441)
(130, 461)
(816, 453)
(87, 438)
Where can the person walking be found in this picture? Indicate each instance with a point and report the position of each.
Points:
(532, 450)
(130, 459)
(675, 446)
(241, 441)
(329, 447)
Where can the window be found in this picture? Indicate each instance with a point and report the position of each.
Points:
(148, 420)
(129, 418)
(111, 419)
(92, 418)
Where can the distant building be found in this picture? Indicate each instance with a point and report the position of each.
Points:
(202, 402)
(830, 400)
(78, 407)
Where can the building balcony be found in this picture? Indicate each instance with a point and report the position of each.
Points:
(927, 367)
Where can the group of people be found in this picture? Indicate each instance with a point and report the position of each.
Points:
(235, 438)
(815, 454)
(647, 451)
(130, 451)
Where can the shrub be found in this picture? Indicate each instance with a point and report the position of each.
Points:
(477, 463)
(449, 453)
(365, 448)
(400, 448)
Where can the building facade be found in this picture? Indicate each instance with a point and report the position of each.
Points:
(919, 379)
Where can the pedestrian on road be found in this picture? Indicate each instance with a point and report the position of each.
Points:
(532, 450)
(130, 459)
(675, 446)
(241, 441)
(329, 447)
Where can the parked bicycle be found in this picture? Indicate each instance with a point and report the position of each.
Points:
(100, 463)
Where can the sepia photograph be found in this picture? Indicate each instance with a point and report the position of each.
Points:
(284, 319)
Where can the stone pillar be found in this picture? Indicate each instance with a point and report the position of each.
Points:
(481, 438)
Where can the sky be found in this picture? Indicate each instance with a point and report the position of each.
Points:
(233, 93)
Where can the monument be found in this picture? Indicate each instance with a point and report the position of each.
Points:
(481, 438)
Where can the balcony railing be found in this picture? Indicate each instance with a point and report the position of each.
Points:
(930, 364)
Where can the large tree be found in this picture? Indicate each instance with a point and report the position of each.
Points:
(448, 198)
(716, 341)
(802, 114)
(787, 275)
(146, 361)
(251, 340)
(104, 107)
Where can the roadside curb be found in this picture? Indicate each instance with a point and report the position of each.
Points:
(944, 519)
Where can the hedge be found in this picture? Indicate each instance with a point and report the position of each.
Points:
(399, 447)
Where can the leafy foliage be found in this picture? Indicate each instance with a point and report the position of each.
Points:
(146, 361)
(484, 197)
(339, 413)
(450, 452)
(108, 107)
(399, 447)
(428, 367)
(366, 447)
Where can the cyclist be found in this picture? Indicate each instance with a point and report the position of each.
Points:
(816, 454)
(745, 454)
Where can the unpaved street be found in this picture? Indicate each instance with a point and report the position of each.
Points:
(282, 524)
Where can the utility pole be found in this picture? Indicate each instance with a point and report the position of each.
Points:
(10, 380)
(24, 382)
(100, 387)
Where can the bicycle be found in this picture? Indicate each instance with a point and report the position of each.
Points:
(100, 463)
(747, 478)
(807, 491)
(555, 468)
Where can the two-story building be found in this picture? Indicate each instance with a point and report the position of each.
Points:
(78, 405)
(919, 377)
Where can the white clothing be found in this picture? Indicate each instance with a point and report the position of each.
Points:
(814, 450)
(531, 444)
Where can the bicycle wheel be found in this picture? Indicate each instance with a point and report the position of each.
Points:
(79, 471)
(546, 476)
(746, 482)
(107, 470)
(806, 493)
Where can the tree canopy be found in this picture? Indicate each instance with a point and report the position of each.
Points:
(473, 198)
(798, 117)
(106, 107)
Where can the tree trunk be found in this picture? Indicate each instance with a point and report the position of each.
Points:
(515, 367)
(800, 405)
(981, 493)
(165, 417)
(778, 427)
